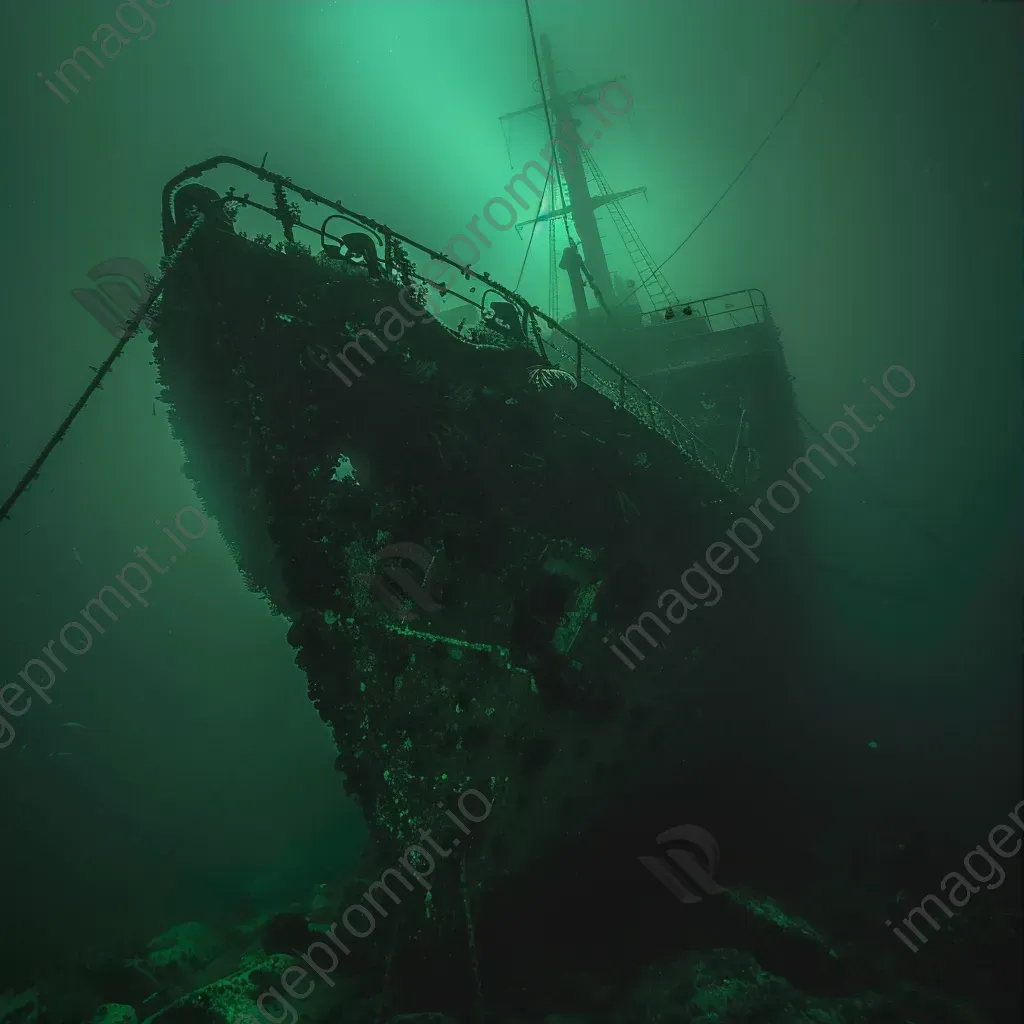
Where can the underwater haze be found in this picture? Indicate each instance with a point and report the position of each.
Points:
(859, 163)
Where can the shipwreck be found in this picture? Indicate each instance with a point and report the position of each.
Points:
(469, 511)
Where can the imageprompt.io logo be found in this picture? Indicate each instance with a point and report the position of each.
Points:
(121, 288)
(418, 594)
(690, 880)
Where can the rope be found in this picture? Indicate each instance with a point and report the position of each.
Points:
(764, 142)
(547, 109)
(554, 159)
(507, 136)
(596, 291)
(129, 332)
(533, 231)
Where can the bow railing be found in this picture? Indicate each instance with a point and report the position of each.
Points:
(609, 379)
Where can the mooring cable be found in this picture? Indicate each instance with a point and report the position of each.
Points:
(764, 142)
(133, 325)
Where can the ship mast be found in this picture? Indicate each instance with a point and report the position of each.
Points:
(581, 202)
(569, 157)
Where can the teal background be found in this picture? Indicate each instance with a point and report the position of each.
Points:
(882, 221)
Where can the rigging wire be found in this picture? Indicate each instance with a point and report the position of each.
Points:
(533, 231)
(506, 134)
(544, 97)
(832, 45)
(551, 138)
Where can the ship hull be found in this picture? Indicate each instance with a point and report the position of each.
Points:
(554, 524)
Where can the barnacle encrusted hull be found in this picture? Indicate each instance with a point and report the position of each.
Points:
(554, 518)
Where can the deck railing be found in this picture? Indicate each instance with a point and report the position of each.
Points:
(611, 380)
(719, 312)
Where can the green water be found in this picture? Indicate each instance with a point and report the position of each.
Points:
(180, 773)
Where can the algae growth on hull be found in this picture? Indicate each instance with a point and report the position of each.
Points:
(548, 515)
(553, 512)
